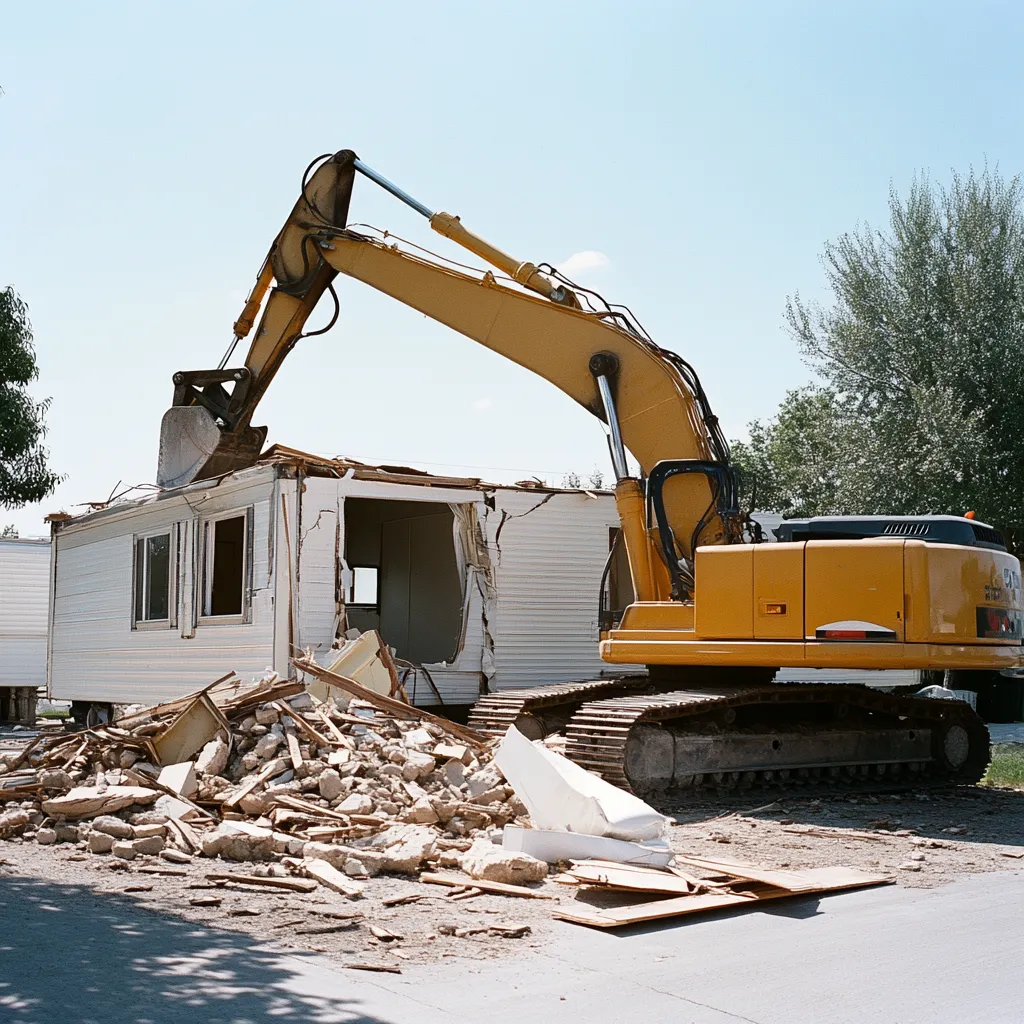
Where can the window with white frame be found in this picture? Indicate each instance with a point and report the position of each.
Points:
(154, 579)
(226, 566)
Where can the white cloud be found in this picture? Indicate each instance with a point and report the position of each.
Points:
(582, 262)
(482, 405)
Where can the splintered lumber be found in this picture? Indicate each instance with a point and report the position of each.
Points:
(617, 917)
(262, 695)
(395, 707)
(476, 883)
(293, 747)
(823, 880)
(298, 804)
(834, 833)
(329, 875)
(338, 735)
(269, 770)
(291, 884)
(154, 783)
(397, 901)
(805, 880)
(285, 711)
(383, 968)
(613, 876)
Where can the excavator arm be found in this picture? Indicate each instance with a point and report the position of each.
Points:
(649, 397)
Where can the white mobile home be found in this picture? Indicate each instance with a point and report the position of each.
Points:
(24, 585)
(476, 586)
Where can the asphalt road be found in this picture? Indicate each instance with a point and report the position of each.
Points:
(885, 955)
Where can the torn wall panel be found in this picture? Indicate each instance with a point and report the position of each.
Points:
(480, 585)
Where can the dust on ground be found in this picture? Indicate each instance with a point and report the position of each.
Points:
(923, 839)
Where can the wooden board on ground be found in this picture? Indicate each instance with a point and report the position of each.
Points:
(806, 880)
(477, 883)
(615, 876)
(329, 875)
(292, 884)
(823, 880)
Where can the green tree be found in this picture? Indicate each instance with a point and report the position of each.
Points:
(24, 473)
(920, 354)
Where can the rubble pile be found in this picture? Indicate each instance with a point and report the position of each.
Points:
(334, 790)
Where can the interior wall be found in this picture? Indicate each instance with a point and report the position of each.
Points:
(411, 543)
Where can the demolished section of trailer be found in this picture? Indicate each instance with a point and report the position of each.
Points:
(475, 586)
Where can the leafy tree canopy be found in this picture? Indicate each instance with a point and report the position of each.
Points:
(920, 358)
(24, 473)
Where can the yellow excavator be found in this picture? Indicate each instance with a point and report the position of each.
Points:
(716, 613)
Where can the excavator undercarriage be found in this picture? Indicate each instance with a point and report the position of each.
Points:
(652, 736)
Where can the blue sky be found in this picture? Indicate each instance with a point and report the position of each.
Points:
(149, 154)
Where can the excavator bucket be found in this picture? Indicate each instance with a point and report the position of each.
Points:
(194, 447)
(189, 437)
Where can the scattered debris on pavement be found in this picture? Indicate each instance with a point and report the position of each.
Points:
(340, 818)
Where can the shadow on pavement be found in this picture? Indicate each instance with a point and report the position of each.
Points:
(69, 956)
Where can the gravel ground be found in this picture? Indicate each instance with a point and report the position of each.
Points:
(923, 840)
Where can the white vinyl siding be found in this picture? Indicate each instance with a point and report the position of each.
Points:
(94, 652)
(547, 564)
(24, 588)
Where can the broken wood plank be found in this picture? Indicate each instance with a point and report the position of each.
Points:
(803, 881)
(338, 735)
(297, 718)
(396, 707)
(262, 695)
(293, 747)
(470, 893)
(269, 770)
(186, 832)
(397, 901)
(148, 869)
(149, 780)
(325, 929)
(292, 884)
(74, 757)
(611, 877)
(89, 801)
(298, 804)
(503, 888)
(383, 968)
(833, 833)
(617, 917)
(329, 875)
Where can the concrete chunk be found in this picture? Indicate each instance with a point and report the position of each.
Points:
(238, 840)
(486, 861)
(87, 801)
(330, 784)
(100, 842)
(181, 777)
(112, 826)
(13, 823)
(212, 759)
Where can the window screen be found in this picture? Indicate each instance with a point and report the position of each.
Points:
(153, 578)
